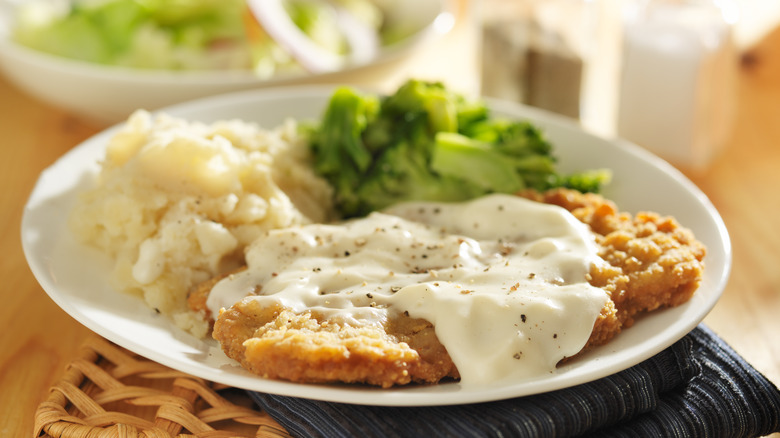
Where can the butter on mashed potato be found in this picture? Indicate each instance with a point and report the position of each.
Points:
(176, 202)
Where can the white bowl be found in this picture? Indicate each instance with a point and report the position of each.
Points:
(108, 94)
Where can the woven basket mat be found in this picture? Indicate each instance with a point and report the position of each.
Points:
(108, 391)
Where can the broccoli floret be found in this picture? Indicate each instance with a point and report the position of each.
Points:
(514, 137)
(480, 164)
(429, 98)
(425, 142)
(587, 181)
(340, 137)
(402, 174)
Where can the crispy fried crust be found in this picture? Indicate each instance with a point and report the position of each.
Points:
(198, 296)
(276, 343)
(652, 263)
(659, 263)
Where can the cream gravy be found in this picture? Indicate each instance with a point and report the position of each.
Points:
(502, 278)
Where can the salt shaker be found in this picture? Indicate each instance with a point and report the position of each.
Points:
(677, 87)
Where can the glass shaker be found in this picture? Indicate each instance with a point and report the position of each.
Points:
(677, 87)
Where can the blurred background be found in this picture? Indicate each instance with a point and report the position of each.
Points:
(661, 73)
(612, 65)
(658, 73)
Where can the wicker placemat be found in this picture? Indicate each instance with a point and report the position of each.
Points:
(108, 391)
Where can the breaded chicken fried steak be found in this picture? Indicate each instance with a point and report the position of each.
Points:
(499, 287)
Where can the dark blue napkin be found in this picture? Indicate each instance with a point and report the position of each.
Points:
(698, 387)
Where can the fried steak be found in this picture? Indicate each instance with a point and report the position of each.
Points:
(652, 262)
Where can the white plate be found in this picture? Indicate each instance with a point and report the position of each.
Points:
(76, 277)
(108, 94)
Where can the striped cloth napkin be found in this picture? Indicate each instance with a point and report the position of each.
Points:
(698, 387)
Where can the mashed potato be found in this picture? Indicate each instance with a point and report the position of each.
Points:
(176, 202)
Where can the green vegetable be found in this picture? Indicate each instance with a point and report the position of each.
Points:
(183, 34)
(167, 34)
(425, 142)
(478, 163)
(314, 19)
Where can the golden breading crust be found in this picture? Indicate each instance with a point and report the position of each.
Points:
(276, 343)
(652, 263)
(660, 263)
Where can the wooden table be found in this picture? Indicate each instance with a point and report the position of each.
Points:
(39, 338)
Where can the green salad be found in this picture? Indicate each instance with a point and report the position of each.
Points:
(425, 142)
(183, 34)
(154, 34)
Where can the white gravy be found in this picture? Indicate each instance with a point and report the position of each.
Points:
(502, 278)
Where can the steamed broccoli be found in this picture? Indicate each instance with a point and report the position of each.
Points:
(425, 142)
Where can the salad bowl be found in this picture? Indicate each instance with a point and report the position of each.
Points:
(108, 93)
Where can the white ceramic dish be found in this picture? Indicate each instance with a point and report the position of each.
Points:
(109, 94)
(76, 277)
